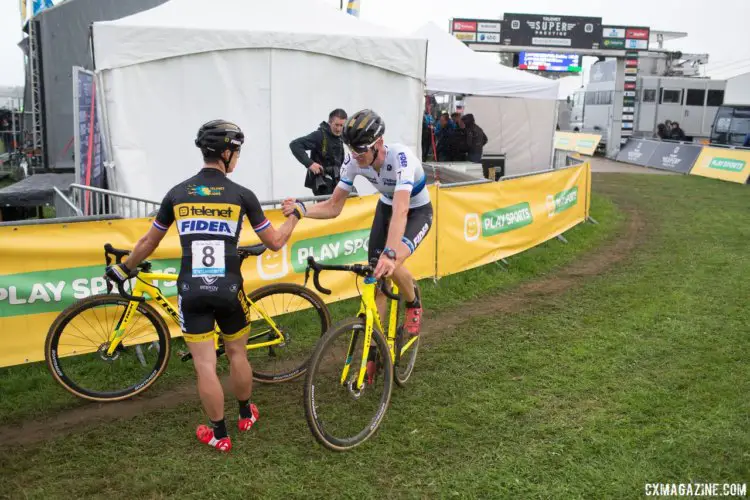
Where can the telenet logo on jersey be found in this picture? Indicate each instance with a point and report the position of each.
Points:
(207, 218)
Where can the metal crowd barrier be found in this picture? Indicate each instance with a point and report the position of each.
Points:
(86, 201)
(60, 220)
(97, 201)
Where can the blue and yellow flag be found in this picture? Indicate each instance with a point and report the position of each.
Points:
(352, 7)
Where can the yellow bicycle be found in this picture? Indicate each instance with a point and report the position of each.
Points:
(111, 347)
(351, 372)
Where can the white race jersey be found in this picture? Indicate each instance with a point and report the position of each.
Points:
(401, 171)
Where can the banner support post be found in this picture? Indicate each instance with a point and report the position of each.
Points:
(562, 238)
(435, 224)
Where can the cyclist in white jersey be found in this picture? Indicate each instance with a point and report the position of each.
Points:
(403, 216)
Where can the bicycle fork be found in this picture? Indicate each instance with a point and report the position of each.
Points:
(116, 337)
(368, 311)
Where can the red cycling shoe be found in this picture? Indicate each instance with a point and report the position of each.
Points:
(205, 435)
(245, 424)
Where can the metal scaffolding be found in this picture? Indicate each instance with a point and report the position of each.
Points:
(37, 95)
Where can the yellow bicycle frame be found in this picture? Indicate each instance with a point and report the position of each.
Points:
(369, 310)
(143, 287)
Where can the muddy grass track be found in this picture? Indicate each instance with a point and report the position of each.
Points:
(529, 295)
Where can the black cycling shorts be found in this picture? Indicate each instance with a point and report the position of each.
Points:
(202, 305)
(418, 224)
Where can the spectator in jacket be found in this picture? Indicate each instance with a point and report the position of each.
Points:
(458, 147)
(428, 125)
(444, 135)
(475, 139)
(326, 154)
(661, 132)
(677, 133)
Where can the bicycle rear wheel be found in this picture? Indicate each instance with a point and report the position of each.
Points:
(77, 343)
(339, 416)
(300, 315)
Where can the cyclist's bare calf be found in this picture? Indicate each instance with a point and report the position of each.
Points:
(403, 279)
(240, 371)
(209, 386)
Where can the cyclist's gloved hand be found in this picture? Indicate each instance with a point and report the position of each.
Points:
(288, 206)
(119, 273)
(298, 209)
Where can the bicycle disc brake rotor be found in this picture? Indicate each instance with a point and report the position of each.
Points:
(354, 393)
(106, 357)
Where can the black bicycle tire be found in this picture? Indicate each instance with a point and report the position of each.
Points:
(330, 442)
(411, 355)
(53, 337)
(323, 313)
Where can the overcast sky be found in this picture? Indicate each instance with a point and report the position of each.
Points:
(721, 32)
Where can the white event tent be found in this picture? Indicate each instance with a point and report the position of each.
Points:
(515, 109)
(275, 68)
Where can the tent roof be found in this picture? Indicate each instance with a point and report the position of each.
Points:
(181, 27)
(35, 190)
(453, 67)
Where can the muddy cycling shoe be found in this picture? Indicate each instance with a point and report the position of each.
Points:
(372, 369)
(205, 435)
(372, 365)
(413, 323)
(245, 424)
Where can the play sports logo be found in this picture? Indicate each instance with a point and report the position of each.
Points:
(561, 201)
(728, 164)
(273, 265)
(497, 221)
(341, 248)
(53, 290)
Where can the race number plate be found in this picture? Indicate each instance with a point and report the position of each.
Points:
(208, 258)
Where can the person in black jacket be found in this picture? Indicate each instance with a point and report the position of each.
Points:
(677, 134)
(326, 154)
(475, 139)
(444, 137)
(661, 132)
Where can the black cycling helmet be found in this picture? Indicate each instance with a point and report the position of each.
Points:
(362, 130)
(218, 136)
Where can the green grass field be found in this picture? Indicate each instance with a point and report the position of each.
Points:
(16, 383)
(634, 376)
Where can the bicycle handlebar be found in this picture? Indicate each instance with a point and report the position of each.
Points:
(358, 269)
(388, 293)
(119, 254)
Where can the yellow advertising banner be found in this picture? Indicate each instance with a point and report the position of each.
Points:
(574, 141)
(46, 268)
(731, 165)
(487, 222)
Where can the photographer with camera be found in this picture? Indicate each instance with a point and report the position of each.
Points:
(326, 154)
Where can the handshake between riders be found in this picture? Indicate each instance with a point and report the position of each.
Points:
(403, 218)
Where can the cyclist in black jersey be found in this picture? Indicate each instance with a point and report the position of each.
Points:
(208, 210)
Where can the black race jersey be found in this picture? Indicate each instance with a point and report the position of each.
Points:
(208, 210)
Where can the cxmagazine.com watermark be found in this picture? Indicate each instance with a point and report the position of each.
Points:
(696, 489)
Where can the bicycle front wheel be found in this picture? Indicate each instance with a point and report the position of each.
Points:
(78, 340)
(300, 316)
(339, 415)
